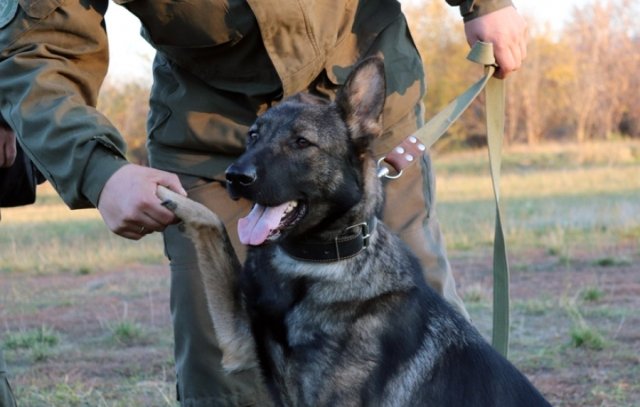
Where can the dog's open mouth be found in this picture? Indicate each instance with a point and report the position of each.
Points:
(266, 223)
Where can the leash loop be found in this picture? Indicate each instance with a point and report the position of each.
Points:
(384, 171)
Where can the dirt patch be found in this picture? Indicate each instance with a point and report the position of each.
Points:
(552, 299)
(575, 330)
(113, 338)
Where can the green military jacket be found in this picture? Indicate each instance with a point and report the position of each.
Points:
(218, 65)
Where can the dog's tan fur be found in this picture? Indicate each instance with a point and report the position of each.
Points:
(219, 271)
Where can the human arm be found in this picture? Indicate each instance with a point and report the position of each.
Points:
(497, 22)
(53, 59)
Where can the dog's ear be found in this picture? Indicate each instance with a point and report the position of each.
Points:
(361, 100)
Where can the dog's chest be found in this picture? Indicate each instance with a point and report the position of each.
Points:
(270, 297)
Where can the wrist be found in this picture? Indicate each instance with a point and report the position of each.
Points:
(471, 9)
(102, 164)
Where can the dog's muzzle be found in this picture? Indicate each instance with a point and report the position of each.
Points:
(240, 176)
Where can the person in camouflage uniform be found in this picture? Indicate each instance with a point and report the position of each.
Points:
(219, 64)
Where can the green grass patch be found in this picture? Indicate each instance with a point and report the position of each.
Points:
(31, 339)
(583, 335)
(38, 343)
(127, 332)
(609, 261)
(587, 337)
(591, 294)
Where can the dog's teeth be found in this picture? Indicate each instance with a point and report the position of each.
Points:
(291, 207)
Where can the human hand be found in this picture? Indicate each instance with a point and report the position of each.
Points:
(507, 30)
(128, 203)
(8, 148)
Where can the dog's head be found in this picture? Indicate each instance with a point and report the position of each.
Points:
(308, 165)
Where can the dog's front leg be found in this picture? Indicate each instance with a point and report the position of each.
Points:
(220, 270)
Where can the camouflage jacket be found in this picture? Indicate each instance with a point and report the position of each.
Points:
(218, 65)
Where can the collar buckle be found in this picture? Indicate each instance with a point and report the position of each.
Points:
(365, 235)
(365, 232)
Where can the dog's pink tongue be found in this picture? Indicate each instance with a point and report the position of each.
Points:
(255, 228)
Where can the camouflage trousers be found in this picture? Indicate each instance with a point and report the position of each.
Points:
(6, 395)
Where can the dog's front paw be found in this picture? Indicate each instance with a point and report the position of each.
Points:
(170, 199)
(169, 204)
(189, 211)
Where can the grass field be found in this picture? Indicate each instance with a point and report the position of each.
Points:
(84, 315)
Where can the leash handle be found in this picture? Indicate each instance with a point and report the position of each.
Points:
(410, 149)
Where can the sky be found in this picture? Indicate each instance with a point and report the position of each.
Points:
(131, 56)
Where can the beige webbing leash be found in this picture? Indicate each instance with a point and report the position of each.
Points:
(416, 144)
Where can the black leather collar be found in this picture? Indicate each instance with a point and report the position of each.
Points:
(346, 245)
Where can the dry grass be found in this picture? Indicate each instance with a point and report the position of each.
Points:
(557, 198)
(47, 237)
(574, 237)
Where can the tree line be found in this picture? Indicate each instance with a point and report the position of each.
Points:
(578, 83)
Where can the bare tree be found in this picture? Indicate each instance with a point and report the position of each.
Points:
(602, 35)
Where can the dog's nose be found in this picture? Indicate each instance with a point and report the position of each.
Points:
(244, 175)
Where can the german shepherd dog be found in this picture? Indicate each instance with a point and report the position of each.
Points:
(330, 304)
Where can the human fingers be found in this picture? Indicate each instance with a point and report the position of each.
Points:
(160, 216)
(512, 50)
(509, 59)
(519, 40)
(128, 202)
(131, 235)
(154, 221)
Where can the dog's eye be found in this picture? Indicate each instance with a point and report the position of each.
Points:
(302, 142)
